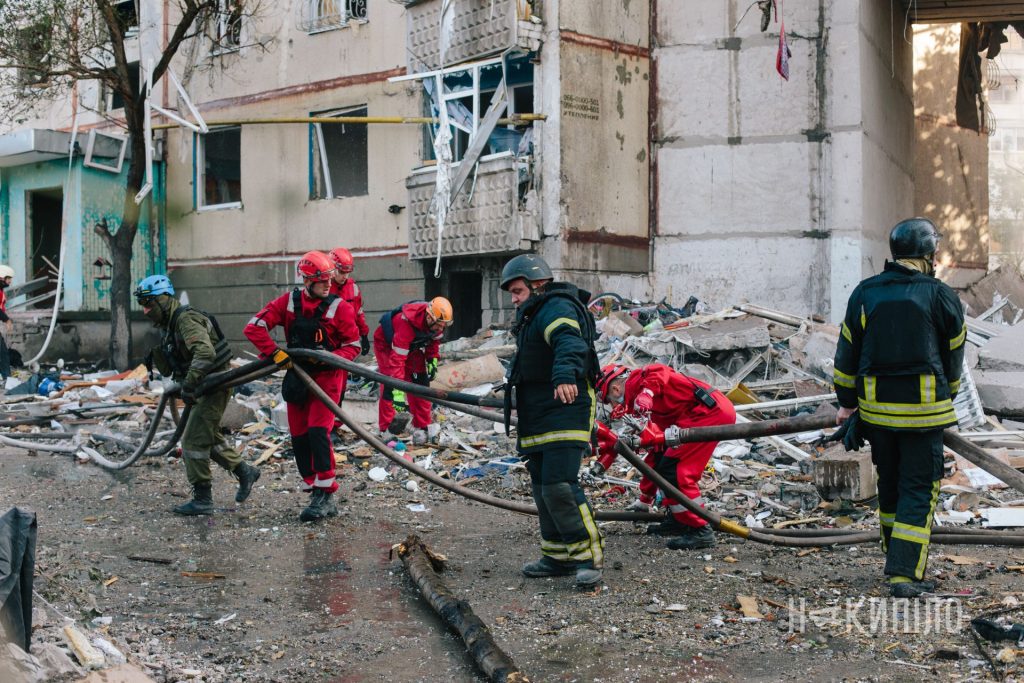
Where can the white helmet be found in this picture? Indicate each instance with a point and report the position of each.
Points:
(6, 271)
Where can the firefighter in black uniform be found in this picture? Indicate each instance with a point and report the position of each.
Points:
(897, 369)
(553, 374)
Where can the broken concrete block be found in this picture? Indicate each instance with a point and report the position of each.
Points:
(125, 673)
(621, 324)
(1002, 393)
(1004, 353)
(1003, 281)
(748, 332)
(237, 416)
(838, 474)
(815, 349)
(361, 409)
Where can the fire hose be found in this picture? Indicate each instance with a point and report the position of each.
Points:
(458, 401)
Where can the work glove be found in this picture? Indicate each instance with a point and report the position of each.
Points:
(421, 378)
(644, 402)
(282, 359)
(432, 368)
(188, 394)
(849, 433)
(652, 438)
(364, 344)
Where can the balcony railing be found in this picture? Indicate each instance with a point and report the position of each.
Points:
(488, 220)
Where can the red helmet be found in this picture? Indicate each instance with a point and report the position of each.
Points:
(315, 266)
(342, 259)
(609, 374)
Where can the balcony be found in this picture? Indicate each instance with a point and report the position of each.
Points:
(487, 218)
(479, 28)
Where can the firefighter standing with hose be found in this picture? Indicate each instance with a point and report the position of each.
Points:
(192, 347)
(670, 399)
(553, 375)
(312, 318)
(407, 344)
(897, 369)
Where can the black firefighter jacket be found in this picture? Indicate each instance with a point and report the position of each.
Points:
(901, 350)
(555, 345)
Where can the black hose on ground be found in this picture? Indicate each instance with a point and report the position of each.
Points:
(330, 359)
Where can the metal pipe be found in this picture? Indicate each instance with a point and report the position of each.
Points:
(518, 119)
(785, 403)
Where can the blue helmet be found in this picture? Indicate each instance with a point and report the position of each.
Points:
(153, 285)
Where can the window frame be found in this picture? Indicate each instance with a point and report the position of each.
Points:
(313, 21)
(90, 147)
(321, 152)
(221, 25)
(199, 171)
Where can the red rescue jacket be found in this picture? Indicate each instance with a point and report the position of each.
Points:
(408, 333)
(338, 322)
(351, 293)
(674, 400)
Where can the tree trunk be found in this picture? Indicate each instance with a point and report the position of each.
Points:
(120, 244)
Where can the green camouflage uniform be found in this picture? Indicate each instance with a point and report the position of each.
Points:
(193, 348)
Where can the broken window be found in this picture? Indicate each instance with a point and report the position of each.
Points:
(324, 15)
(127, 12)
(219, 168)
(339, 156)
(226, 28)
(116, 97)
(34, 49)
(105, 151)
(468, 91)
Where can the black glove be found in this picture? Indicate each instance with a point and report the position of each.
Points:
(849, 433)
(364, 344)
(421, 378)
(188, 394)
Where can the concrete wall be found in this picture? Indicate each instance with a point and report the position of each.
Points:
(951, 163)
(769, 190)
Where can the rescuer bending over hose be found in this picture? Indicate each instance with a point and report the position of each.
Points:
(192, 347)
(897, 370)
(312, 318)
(407, 344)
(670, 400)
(553, 375)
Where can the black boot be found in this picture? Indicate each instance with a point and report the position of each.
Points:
(247, 476)
(330, 508)
(315, 510)
(667, 527)
(201, 503)
(694, 539)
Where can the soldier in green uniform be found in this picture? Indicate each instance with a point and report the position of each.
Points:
(553, 374)
(192, 347)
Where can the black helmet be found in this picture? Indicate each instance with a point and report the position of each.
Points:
(913, 238)
(530, 267)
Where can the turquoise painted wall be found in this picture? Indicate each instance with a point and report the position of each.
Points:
(90, 195)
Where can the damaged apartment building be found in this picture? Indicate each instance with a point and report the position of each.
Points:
(648, 147)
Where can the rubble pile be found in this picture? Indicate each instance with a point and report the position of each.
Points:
(769, 363)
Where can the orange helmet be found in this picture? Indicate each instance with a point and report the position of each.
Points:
(315, 266)
(440, 309)
(342, 259)
(609, 374)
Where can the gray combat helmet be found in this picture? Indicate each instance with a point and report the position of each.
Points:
(530, 267)
(913, 238)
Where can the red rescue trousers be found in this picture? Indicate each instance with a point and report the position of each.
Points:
(390, 363)
(310, 424)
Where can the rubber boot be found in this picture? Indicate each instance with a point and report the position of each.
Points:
(547, 566)
(667, 527)
(201, 503)
(247, 476)
(315, 510)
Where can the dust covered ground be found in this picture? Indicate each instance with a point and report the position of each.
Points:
(323, 602)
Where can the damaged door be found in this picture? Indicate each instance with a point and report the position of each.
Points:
(43, 229)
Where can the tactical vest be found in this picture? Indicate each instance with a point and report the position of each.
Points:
(422, 337)
(310, 332)
(173, 345)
